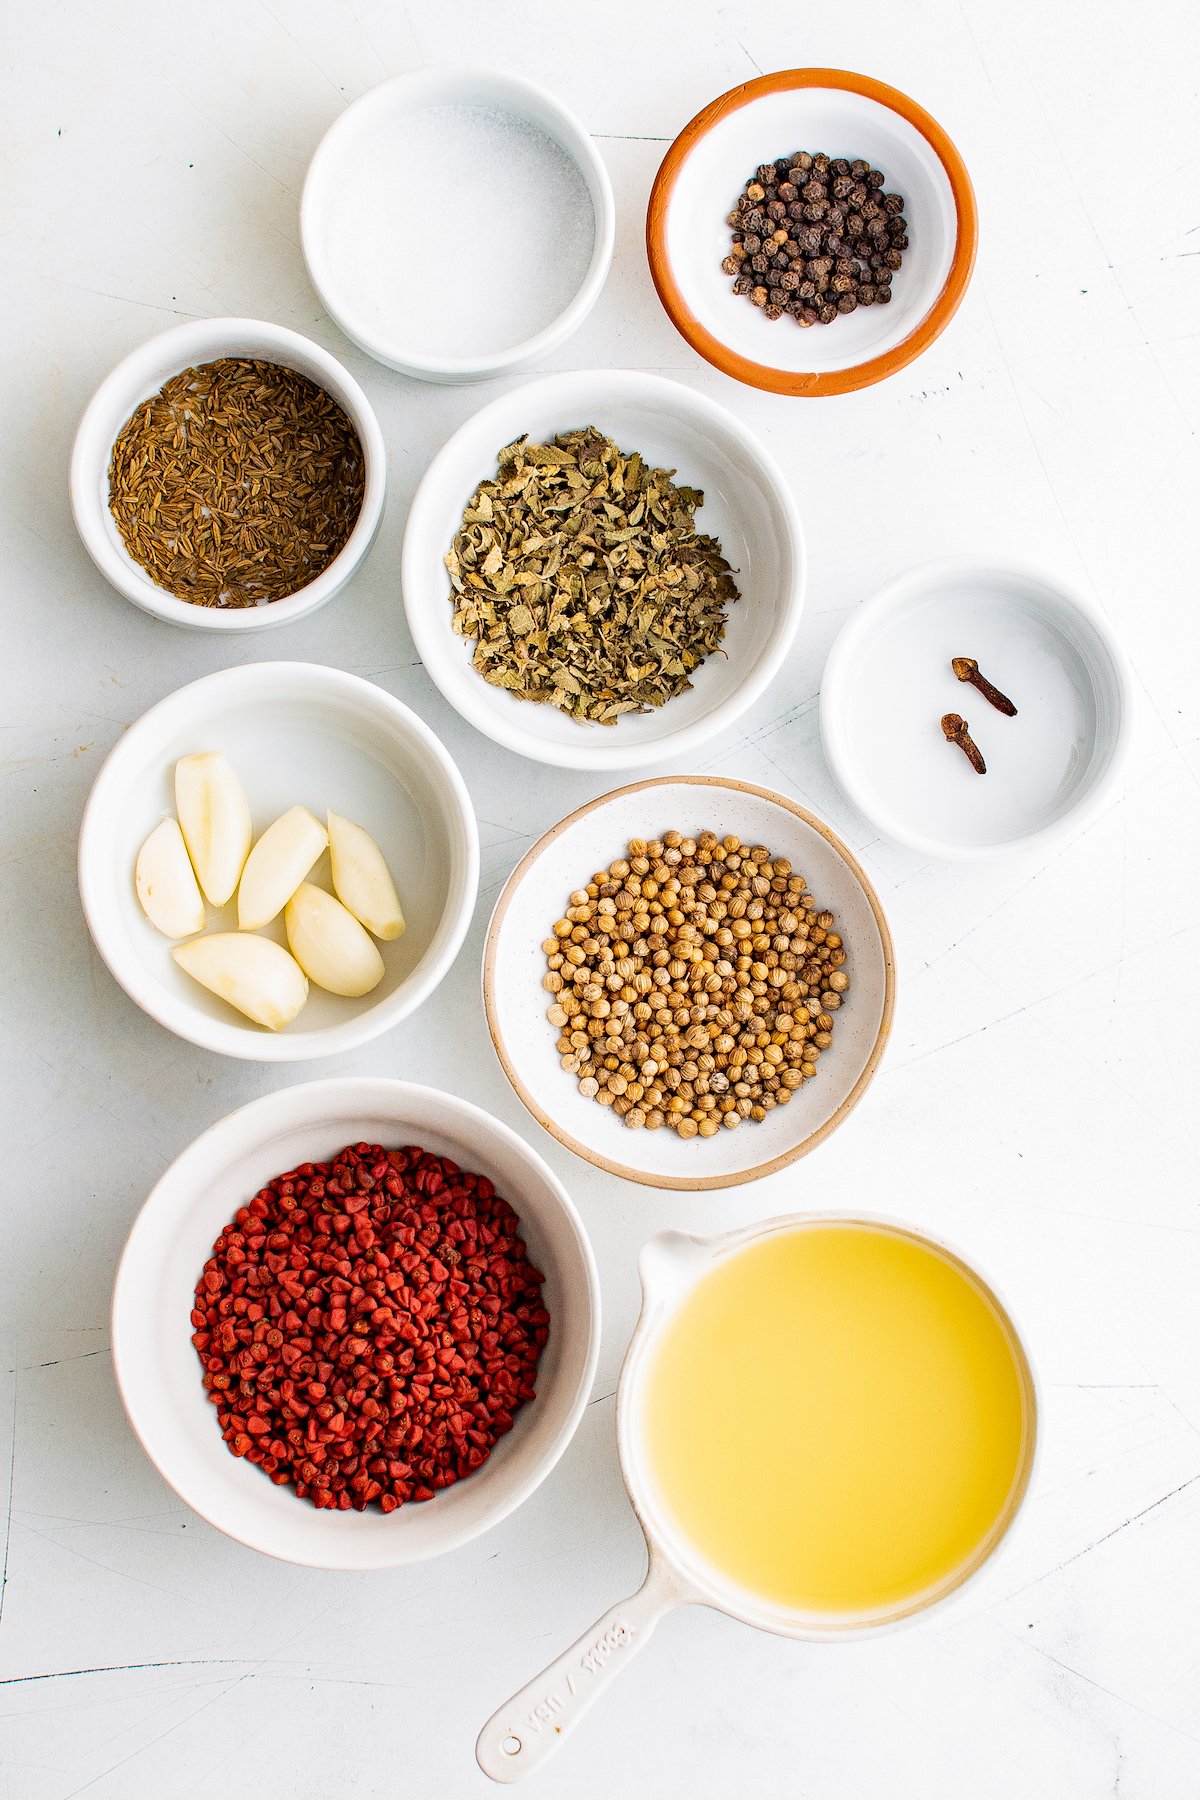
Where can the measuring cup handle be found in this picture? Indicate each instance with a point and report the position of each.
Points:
(530, 1727)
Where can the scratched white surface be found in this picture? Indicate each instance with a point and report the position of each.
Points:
(1037, 1104)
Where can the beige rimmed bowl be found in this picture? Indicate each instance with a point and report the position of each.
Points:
(566, 858)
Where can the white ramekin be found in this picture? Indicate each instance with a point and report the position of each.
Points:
(339, 157)
(141, 375)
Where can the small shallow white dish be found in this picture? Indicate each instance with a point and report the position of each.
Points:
(888, 681)
(159, 1374)
(565, 859)
(748, 507)
(844, 115)
(140, 376)
(394, 174)
(297, 733)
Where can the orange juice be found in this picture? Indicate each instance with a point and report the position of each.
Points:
(838, 1418)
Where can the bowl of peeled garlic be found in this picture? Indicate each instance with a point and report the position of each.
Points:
(278, 862)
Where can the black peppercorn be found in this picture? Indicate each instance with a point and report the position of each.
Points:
(815, 237)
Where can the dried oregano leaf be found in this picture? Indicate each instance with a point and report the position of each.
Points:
(580, 575)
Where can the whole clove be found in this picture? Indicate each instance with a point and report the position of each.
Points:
(956, 732)
(967, 669)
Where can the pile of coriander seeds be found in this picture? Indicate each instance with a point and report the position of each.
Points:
(695, 983)
(816, 237)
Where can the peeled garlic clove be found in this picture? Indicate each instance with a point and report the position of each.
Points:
(166, 883)
(214, 816)
(329, 943)
(277, 865)
(361, 879)
(252, 973)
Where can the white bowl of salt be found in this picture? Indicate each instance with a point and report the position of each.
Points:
(457, 223)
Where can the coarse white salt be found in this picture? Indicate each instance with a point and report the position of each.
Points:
(466, 231)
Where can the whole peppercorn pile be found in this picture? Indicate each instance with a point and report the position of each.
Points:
(816, 237)
(694, 983)
(369, 1326)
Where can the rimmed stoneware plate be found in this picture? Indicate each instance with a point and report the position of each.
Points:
(843, 114)
(566, 858)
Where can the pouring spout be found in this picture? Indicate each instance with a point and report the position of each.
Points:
(670, 1262)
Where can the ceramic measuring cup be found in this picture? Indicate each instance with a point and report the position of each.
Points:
(525, 1731)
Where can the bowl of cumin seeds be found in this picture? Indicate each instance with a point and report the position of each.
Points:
(228, 475)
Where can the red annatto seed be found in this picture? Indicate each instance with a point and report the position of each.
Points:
(380, 1302)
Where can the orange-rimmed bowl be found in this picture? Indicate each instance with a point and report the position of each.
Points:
(848, 115)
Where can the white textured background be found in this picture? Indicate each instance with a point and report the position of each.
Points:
(1038, 1103)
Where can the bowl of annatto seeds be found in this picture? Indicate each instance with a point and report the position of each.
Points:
(228, 475)
(602, 569)
(689, 982)
(356, 1323)
(811, 231)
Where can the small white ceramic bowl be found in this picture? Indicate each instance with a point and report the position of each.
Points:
(297, 733)
(159, 1374)
(748, 507)
(140, 376)
(888, 681)
(845, 115)
(392, 177)
(566, 858)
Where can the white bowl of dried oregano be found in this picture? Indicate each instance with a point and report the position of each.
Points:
(603, 569)
(228, 475)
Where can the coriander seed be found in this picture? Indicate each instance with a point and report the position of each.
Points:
(697, 981)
